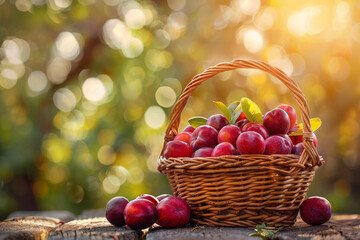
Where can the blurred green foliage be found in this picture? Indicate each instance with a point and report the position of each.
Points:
(86, 89)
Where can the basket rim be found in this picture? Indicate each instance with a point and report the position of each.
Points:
(280, 163)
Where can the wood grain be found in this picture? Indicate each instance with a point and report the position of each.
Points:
(64, 216)
(340, 227)
(33, 227)
(93, 228)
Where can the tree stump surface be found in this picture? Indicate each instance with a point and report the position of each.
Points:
(64, 216)
(339, 227)
(92, 224)
(31, 227)
(93, 228)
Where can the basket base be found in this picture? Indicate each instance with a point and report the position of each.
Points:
(271, 219)
(240, 191)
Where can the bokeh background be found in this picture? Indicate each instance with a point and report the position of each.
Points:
(87, 86)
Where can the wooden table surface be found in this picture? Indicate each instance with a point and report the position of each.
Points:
(92, 224)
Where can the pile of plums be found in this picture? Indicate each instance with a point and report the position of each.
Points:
(166, 210)
(218, 137)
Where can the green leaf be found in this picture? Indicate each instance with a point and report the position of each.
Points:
(251, 110)
(262, 226)
(197, 121)
(315, 123)
(224, 109)
(235, 112)
(233, 106)
(258, 235)
(236, 116)
(268, 233)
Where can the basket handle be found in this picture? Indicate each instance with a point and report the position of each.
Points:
(309, 156)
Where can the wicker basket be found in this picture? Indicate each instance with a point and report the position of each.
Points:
(242, 190)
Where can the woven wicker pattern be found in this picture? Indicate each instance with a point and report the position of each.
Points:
(243, 190)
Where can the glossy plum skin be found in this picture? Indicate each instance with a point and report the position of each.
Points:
(163, 196)
(299, 139)
(203, 152)
(315, 210)
(217, 121)
(184, 136)
(114, 212)
(204, 136)
(256, 127)
(150, 197)
(140, 213)
(242, 123)
(173, 212)
(176, 148)
(277, 145)
(242, 116)
(224, 148)
(277, 121)
(229, 134)
(250, 143)
(297, 149)
(286, 138)
(291, 113)
(189, 129)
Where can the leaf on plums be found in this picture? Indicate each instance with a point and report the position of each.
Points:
(233, 106)
(197, 121)
(315, 123)
(235, 112)
(251, 110)
(224, 109)
(236, 115)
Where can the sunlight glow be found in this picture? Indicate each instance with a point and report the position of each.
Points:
(253, 41)
(135, 18)
(338, 68)
(156, 60)
(16, 50)
(8, 78)
(249, 7)
(57, 70)
(116, 33)
(311, 20)
(67, 46)
(111, 184)
(93, 89)
(176, 25)
(64, 99)
(37, 81)
(62, 3)
(165, 96)
(277, 57)
(133, 48)
(266, 19)
(155, 117)
(106, 155)
(120, 172)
